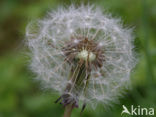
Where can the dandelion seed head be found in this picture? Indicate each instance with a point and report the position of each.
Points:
(83, 33)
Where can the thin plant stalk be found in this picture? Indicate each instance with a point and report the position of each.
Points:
(68, 111)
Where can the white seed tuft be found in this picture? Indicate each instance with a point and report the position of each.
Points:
(47, 37)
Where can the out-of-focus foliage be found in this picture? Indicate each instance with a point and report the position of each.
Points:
(21, 96)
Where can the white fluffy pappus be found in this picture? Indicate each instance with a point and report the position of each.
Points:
(46, 39)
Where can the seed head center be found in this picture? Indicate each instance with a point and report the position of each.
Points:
(85, 55)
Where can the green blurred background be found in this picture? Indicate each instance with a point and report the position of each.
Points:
(22, 96)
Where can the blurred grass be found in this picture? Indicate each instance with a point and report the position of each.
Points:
(20, 96)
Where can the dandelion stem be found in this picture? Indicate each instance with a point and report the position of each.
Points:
(68, 110)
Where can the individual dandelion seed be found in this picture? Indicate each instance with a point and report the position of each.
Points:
(83, 54)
